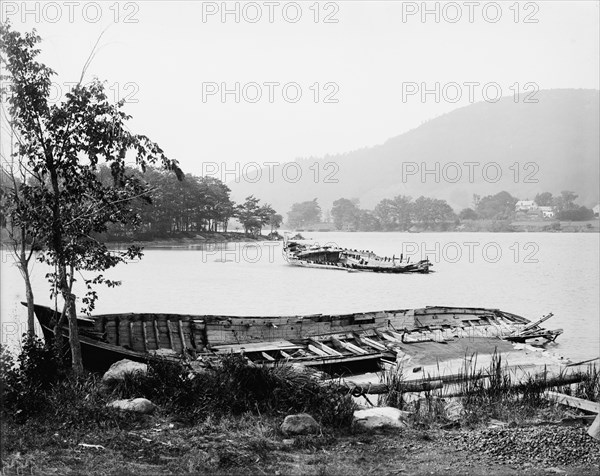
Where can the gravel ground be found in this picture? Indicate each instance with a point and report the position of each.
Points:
(547, 445)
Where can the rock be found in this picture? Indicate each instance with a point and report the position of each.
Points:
(380, 417)
(454, 409)
(118, 370)
(137, 405)
(301, 424)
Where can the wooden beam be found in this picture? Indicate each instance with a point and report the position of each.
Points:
(286, 355)
(131, 334)
(156, 333)
(374, 344)
(145, 335)
(317, 351)
(169, 333)
(181, 335)
(594, 430)
(267, 356)
(574, 402)
(326, 348)
(352, 348)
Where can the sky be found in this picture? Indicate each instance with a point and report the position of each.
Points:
(313, 78)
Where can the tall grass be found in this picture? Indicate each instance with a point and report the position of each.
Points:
(483, 393)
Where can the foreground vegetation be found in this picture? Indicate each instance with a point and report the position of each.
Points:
(226, 421)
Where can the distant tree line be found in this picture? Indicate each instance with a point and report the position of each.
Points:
(402, 213)
(192, 205)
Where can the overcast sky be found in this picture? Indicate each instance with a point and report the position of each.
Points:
(162, 56)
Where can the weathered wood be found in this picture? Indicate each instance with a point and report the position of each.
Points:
(534, 324)
(325, 348)
(257, 347)
(372, 343)
(267, 356)
(131, 334)
(181, 335)
(144, 332)
(594, 430)
(380, 388)
(352, 348)
(317, 351)
(170, 334)
(156, 332)
(574, 402)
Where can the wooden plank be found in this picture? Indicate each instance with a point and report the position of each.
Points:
(156, 333)
(317, 351)
(145, 334)
(257, 347)
(181, 335)
(131, 334)
(374, 344)
(326, 348)
(574, 402)
(286, 355)
(169, 333)
(353, 348)
(340, 360)
(267, 356)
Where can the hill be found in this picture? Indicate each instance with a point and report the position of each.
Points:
(523, 148)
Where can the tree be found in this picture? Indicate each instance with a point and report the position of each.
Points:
(367, 221)
(275, 220)
(467, 214)
(496, 207)
(544, 199)
(62, 146)
(22, 237)
(431, 212)
(566, 201)
(576, 214)
(345, 214)
(303, 214)
(253, 216)
(394, 214)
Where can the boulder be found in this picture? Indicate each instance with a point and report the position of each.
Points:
(300, 424)
(380, 417)
(118, 370)
(137, 405)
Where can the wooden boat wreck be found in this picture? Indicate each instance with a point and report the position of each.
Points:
(338, 344)
(309, 255)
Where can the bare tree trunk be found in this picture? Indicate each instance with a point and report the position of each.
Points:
(63, 285)
(69, 298)
(30, 302)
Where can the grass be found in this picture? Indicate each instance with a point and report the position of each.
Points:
(226, 421)
(482, 394)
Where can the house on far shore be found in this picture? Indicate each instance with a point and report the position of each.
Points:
(596, 210)
(525, 205)
(547, 212)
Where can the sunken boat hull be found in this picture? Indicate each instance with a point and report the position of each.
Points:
(333, 257)
(342, 340)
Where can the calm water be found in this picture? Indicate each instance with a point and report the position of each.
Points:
(527, 274)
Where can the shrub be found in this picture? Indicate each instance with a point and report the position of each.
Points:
(25, 384)
(232, 386)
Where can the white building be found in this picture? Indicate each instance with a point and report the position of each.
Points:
(547, 212)
(525, 205)
(596, 210)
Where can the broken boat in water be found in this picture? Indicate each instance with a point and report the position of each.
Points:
(336, 343)
(298, 253)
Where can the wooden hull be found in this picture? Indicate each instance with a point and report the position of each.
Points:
(333, 257)
(313, 340)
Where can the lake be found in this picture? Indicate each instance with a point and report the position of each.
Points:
(523, 273)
